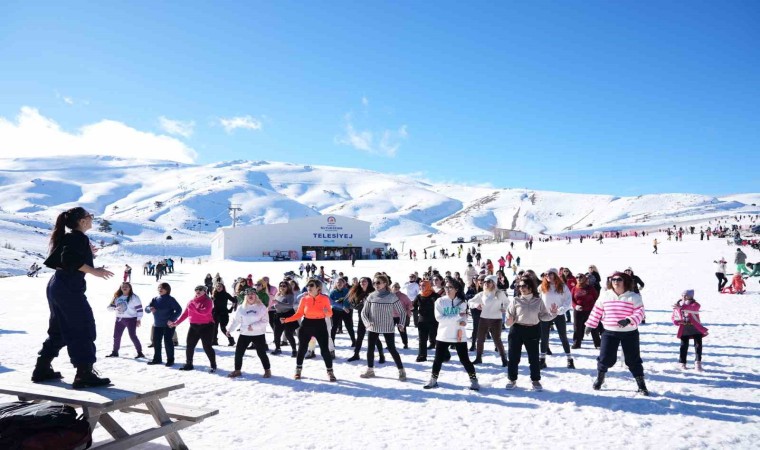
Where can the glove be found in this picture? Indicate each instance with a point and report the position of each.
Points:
(624, 322)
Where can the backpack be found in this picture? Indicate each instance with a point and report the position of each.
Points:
(42, 426)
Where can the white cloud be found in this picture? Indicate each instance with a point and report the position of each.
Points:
(365, 140)
(34, 135)
(365, 101)
(178, 127)
(245, 122)
(71, 101)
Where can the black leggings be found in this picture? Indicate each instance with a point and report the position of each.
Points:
(261, 349)
(373, 337)
(442, 349)
(404, 335)
(342, 317)
(221, 321)
(523, 336)
(360, 331)
(316, 328)
(288, 328)
(685, 348)
(561, 325)
(722, 280)
(205, 333)
(427, 333)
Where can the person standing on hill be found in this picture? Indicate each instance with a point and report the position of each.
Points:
(71, 323)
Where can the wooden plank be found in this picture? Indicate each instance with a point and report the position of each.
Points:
(107, 397)
(113, 428)
(145, 436)
(177, 411)
(159, 414)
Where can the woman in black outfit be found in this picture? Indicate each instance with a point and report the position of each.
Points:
(356, 296)
(221, 313)
(71, 321)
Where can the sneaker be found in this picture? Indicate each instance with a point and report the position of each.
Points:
(267, 373)
(113, 355)
(297, 376)
(478, 359)
(187, 367)
(369, 373)
(381, 360)
(537, 386)
(235, 374)
(139, 355)
(698, 366)
(154, 362)
(150, 346)
(575, 346)
(474, 385)
(402, 375)
(331, 375)
(432, 384)
(354, 358)
(511, 384)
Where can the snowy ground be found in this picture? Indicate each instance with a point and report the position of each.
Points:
(719, 408)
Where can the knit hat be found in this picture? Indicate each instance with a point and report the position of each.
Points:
(688, 293)
(492, 278)
(200, 287)
(552, 270)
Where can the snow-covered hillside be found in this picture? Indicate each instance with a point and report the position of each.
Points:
(146, 201)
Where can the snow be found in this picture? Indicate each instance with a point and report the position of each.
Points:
(718, 408)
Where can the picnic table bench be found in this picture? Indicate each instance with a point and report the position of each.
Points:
(97, 404)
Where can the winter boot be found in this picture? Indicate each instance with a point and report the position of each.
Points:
(642, 386)
(511, 384)
(113, 355)
(139, 355)
(187, 367)
(234, 374)
(331, 375)
(43, 371)
(369, 373)
(232, 342)
(542, 363)
(88, 377)
(381, 360)
(570, 363)
(354, 358)
(478, 359)
(169, 363)
(433, 383)
(548, 351)
(698, 366)
(402, 375)
(298, 373)
(504, 361)
(472, 347)
(294, 354)
(599, 380)
(682, 366)
(474, 386)
(421, 359)
(267, 373)
(537, 386)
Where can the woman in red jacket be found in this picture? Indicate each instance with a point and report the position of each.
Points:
(314, 308)
(584, 298)
(202, 327)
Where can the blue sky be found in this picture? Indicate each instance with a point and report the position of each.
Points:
(622, 98)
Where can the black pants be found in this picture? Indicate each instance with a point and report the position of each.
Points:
(339, 317)
(685, 348)
(205, 333)
(561, 325)
(527, 336)
(608, 351)
(579, 329)
(428, 331)
(316, 328)
(71, 321)
(372, 338)
(261, 349)
(163, 335)
(722, 280)
(175, 340)
(442, 349)
(361, 330)
(475, 322)
(287, 328)
(272, 318)
(221, 321)
(404, 335)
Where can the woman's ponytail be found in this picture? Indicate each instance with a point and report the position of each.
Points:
(66, 219)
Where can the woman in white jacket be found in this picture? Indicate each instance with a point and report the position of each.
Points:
(554, 292)
(253, 318)
(491, 303)
(451, 314)
(129, 311)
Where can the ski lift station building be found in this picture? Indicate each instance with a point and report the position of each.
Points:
(316, 237)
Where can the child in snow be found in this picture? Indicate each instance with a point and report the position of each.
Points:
(686, 317)
(737, 285)
(129, 311)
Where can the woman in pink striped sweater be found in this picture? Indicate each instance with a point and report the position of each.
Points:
(202, 327)
(621, 311)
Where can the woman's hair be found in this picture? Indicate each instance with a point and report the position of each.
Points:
(531, 283)
(457, 285)
(67, 219)
(294, 286)
(357, 295)
(119, 292)
(288, 289)
(627, 281)
(224, 289)
(384, 278)
(396, 285)
(559, 285)
(167, 287)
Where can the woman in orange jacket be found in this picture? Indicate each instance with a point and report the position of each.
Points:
(314, 308)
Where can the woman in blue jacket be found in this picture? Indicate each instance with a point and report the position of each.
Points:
(165, 309)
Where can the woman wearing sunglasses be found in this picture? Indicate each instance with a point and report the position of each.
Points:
(314, 308)
(621, 311)
(524, 314)
(451, 314)
(377, 316)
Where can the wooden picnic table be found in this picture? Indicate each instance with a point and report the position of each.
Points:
(97, 405)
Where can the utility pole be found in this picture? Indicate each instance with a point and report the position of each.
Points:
(234, 209)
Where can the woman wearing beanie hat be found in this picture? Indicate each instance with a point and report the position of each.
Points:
(686, 317)
(620, 310)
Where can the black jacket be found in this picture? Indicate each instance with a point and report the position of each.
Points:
(425, 307)
(220, 303)
(72, 252)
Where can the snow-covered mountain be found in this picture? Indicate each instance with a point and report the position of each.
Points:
(147, 200)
